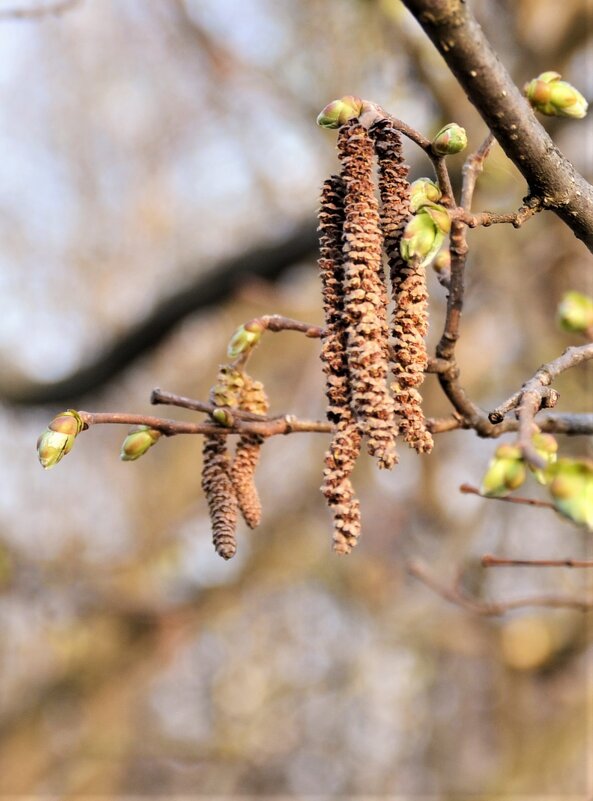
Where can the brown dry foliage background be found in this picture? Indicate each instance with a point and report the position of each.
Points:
(142, 143)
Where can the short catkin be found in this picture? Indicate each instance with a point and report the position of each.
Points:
(253, 399)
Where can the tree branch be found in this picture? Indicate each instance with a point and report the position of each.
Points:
(551, 177)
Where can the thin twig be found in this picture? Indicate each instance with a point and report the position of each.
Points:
(160, 396)
(468, 489)
(282, 425)
(454, 595)
(488, 560)
(35, 12)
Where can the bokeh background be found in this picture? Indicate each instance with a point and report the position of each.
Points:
(145, 147)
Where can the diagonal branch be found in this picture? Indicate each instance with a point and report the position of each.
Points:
(459, 38)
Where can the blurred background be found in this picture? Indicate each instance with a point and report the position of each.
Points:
(159, 178)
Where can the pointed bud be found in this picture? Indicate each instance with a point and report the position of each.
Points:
(506, 472)
(440, 216)
(555, 98)
(339, 112)
(57, 440)
(571, 488)
(52, 446)
(138, 441)
(575, 313)
(423, 191)
(449, 140)
(244, 339)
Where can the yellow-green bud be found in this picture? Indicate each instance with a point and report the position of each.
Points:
(423, 191)
(505, 473)
(555, 98)
(223, 417)
(442, 262)
(244, 339)
(424, 234)
(58, 438)
(571, 488)
(547, 447)
(138, 441)
(449, 140)
(339, 112)
(575, 312)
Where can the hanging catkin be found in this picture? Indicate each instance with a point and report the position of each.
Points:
(345, 446)
(216, 479)
(253, 399)
(408, 282)
(365, 299)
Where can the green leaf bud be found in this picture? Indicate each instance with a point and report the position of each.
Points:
(58, 438)
(442, 262)
(138, 441)
(339, 112)
(546, 447)
(575, 312)
(423, 191)
(449, 140)
(223, 417)
(69, 422)
(52, 446)
(555, 98)
(505, 473)
(440, 216)
(244, 339)
(424, 234)
(571, 488)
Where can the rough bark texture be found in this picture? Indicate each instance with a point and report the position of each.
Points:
(461, 41)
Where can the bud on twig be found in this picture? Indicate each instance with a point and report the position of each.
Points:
(449, 140)
(506, 472)
(571, 488)
(424, 234)
(556, 98)
(138, 441)
(58, 439)
(339, 112)
(423, 191)
(245, 338)
(545, 446)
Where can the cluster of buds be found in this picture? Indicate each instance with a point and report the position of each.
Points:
(507, 469)
(554, 97)
(58, 438)
(360, 347)
(228, 480)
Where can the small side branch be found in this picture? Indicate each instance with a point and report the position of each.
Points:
(468, 489)
(537, 394)
(454, 595)
(488, 560)
(269, 428)
(36, 12)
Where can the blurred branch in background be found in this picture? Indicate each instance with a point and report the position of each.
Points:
(38, 10)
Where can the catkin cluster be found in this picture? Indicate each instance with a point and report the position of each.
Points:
(360, 347)
(228, 480)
